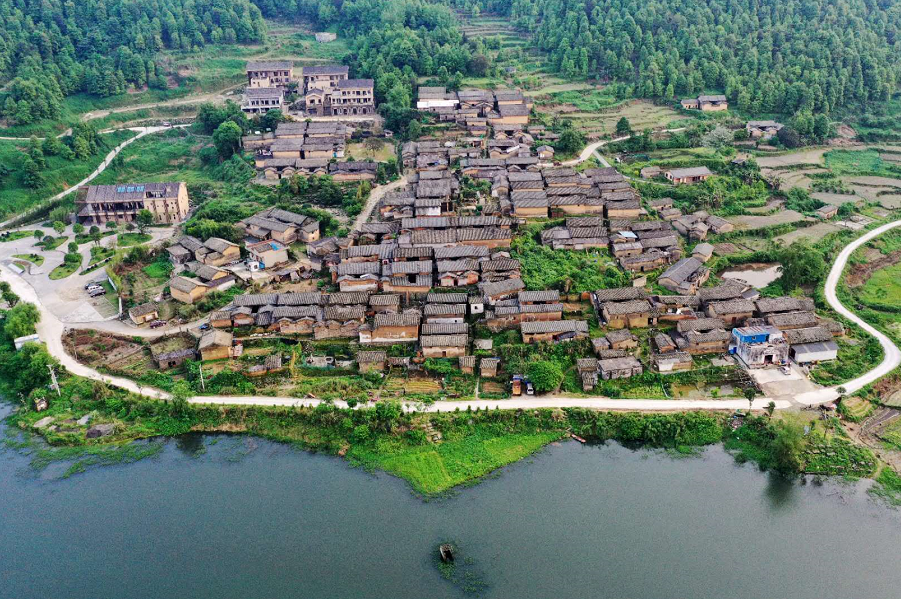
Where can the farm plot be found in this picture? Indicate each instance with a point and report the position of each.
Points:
(813, 233)
(759, 222)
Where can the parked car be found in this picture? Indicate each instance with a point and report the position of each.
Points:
(157, 324)
(92, 284)
(204, 327)
(530, 390)
(97, 292)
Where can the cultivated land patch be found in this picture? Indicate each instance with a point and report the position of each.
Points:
(754, 221)
(836, 199)
(812, 233)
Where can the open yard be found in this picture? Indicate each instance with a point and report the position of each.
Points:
(883, 287)
(595, 119)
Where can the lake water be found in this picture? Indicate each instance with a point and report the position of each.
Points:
(220, 517)
(755, 275)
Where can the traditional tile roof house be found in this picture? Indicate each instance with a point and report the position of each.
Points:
(501, 289)
(619, 368)
(215, 345)
(560, 330)
(621, 339)
(672, 361)
(281, 225)
(680, 176)
(144, 313)
(488, 367)
(174, 358)
(393, 328)
(187, 291)
(371, 360)
(631, 313)
(685, 276)
(792, 320)
(467, 364)
(733, 312)
(772, 305)
(444, 346)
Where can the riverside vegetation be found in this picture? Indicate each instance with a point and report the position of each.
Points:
(473, 443)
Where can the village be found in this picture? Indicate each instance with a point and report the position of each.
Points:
(428, 290)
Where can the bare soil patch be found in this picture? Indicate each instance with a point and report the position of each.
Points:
(758, 222)
(858, 274)
(813, 233)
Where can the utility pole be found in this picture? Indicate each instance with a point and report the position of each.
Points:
(202, 385)
(55, 384)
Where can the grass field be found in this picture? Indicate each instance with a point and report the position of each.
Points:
(883, 287)
(434, 469)
(129, 239)
(160, 158)
(361, 152)
(16, 235)
(64, 270)
(59, 175)
(36, 259)
(54, 243)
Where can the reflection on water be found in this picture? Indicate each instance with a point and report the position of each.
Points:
(234, 516)
(755, 275)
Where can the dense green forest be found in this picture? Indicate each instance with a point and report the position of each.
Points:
(768, 56)
(53, 48)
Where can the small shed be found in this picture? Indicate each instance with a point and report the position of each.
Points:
(144, 313)
(371, 360)
(488, 367)
(467, 364)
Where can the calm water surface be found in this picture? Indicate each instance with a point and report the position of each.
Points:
(247, 518)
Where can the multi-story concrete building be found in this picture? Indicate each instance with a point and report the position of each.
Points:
(98, 204)
(269, 73)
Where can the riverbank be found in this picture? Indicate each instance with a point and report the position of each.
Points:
(433, 452)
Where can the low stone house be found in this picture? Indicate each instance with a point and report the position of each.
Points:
(632, 313)
(444, 346)
(553, 331)
(371, 361)
(672, 361)
(393, 328)
(215, 345)
(732, 312)
(467, 364)
(488, 367)
(688, 176)
(619, 368)
(172, 359)
(144, 313)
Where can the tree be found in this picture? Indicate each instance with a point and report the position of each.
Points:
(788, 137)
(570, 141)
(787, 447)
(59, 227)
(78, 228)
(623, 127)
(544, 375)
(387, 414)
(717, 138)
(770, 408)
(227, 139)
(361, 433)
(38, 234)
(750, 393)
(73, 247)
(32, 175)
(802, 265)
(21, 320)
(111, 225)
(94, 229)
(144, 219)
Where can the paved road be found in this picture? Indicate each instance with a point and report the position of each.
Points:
(374, 197)
(51, 329)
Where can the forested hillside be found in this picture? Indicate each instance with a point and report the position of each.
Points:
(53, 48)
(766, 55)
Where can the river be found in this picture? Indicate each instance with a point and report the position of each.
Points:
(221, 517)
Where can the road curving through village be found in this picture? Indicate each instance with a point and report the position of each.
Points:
(50, 329)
